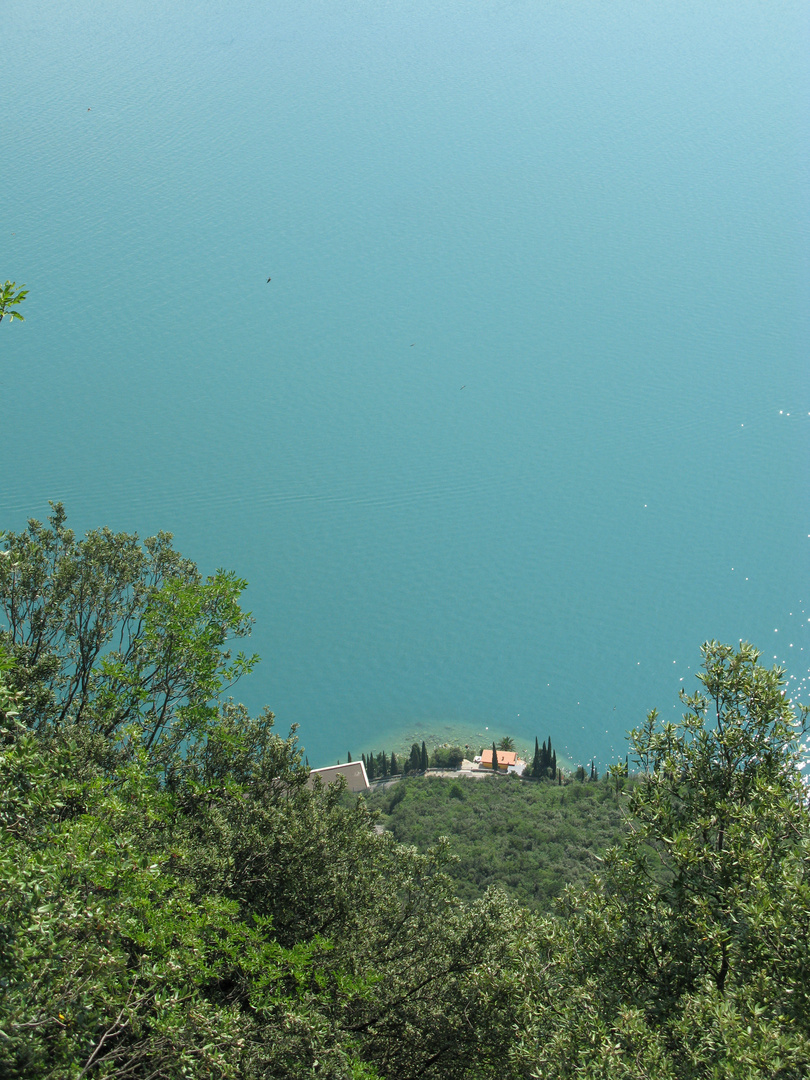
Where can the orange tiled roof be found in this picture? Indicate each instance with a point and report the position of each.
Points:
(505, 758)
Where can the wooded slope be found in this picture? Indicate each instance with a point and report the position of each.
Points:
(529, 838)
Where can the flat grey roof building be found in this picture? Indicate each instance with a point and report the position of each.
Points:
(353, 772)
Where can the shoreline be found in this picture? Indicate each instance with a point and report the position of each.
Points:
(469, 737)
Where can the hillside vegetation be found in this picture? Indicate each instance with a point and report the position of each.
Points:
(177, 902)
(531, 839)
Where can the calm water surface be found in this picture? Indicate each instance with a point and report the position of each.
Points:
(523, 415)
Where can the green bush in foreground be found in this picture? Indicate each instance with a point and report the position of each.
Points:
(690, 955)
(231, 924)
(175, 901)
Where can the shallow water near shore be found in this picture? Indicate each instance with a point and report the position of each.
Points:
(523, 415)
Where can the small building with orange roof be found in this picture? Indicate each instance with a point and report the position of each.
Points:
(505, 759)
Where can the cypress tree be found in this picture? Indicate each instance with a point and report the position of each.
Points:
(554, 765)
(415, 760)
(394, 764)
(494, 757)
(349, 758)
(424, 756)
(370, 770)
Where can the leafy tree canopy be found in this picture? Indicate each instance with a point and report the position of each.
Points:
(110, 635)
(689, 956)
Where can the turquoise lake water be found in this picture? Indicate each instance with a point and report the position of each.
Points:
(523, 416)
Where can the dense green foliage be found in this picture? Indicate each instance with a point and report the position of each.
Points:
(690, 955)
(176, 901)
(531, 839)
(236, 924)
(447, 757)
